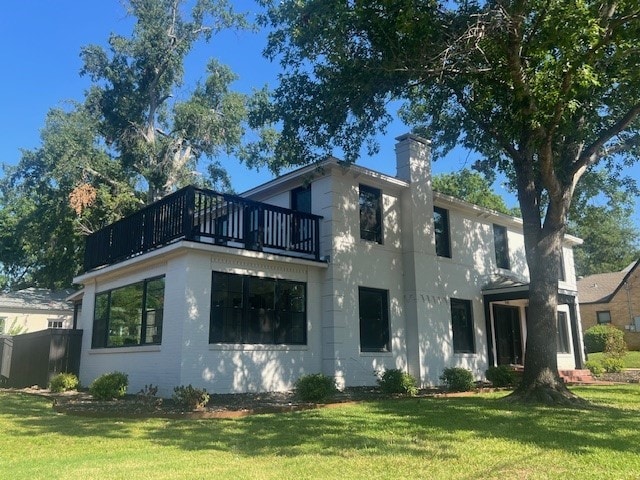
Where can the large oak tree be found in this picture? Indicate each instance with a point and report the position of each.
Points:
(543, 89)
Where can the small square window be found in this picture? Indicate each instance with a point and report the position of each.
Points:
(604, 317)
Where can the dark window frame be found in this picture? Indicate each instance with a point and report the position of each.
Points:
(598, 318)
(562, 333)
(102, 327)
(501, 246)
(375, 336)
(370, 204)
(442, 231)
(462, 327)
(257, 310)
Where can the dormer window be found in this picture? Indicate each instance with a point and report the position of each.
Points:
(370, 214)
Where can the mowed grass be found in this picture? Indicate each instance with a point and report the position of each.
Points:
(631, 359)
(476, 437)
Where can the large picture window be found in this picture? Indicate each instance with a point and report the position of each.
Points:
(501, 246)
(370, 214)
(441, 228)
(130, 315)
(462, 326)
(252, 310)
(374, 320)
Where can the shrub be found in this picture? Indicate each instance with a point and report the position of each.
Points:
(315, 387)
(63, 382)
(148, 396)
(595, 367)
(612, 365)
(190, 397)
(501, 376)
(397, 381)
(595, 338)
(110, 385)
(615, 346)
(457, 379)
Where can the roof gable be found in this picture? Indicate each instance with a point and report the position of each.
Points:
(602, 287)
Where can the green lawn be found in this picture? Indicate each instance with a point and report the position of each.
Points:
(478, 437)
(631, 359)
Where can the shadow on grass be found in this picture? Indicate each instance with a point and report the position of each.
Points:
(425, 426)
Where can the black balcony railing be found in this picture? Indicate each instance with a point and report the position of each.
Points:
(206, 216)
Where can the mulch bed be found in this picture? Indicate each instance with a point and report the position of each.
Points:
(236, 405)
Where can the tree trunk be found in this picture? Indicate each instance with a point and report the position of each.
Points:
(541, 382)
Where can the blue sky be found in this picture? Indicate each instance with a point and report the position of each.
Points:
(41, 41)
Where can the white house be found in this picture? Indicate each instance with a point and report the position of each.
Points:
(331, 268)
(34, 309)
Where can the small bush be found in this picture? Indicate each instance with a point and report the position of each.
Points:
(457, 379)
(594, 367)
(595, 338)
(63, 382)
(612, 365)
(148, 396)
(501, 376)
(190, 398)
(315, 387)
(615, 346)
(110, 385)
(397, 381)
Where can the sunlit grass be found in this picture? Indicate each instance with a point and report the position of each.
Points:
(631, 359)
(473, 437)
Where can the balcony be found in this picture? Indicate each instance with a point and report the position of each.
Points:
(206, 216)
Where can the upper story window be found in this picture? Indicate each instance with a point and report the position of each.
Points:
(441, 229)
(374, 320)
(462, 326)
(370, 214)
(253, 310)
(502, 246)
(563, 334)
(562, 276)
(129, 315)
(301, 199)
(604, 317)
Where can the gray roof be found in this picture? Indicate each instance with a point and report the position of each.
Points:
(36, 299)
(502, 282)
(601, 287)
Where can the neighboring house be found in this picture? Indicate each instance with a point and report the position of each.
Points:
(34, 309)
(331, 268)
(613, 299)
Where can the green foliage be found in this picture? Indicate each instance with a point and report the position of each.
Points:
(470, 187)
(541, 103)
(457, 379)
(397, 381)
(615, 346)
(16, 329)
(595, 367)
(501, 376)
(109, 386)
(315, 387)
(190, 397)
(595, 338)
(63, 382)
(612, 364)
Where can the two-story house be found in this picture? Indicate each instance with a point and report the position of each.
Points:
(331, 268)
